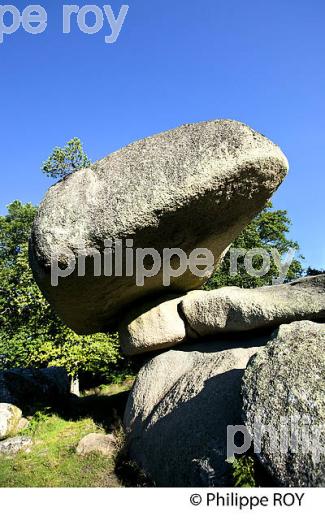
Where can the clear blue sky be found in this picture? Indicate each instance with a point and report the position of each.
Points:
(261, 62)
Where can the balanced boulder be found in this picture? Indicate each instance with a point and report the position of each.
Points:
(193, 187)
(284, 404)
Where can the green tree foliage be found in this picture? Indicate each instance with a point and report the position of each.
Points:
(30, 332)
(66, 160)
(19, 296)
(313, 272)
(267, 231)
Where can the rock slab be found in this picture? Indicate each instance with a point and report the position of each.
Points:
(221, 311)
(232, 309)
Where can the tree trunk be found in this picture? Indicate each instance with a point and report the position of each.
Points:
(74, 386)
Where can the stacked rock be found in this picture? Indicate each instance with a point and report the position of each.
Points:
(192, 188)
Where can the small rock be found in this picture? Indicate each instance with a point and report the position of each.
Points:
(10, 417)
(14, 445)
(23, 424)
(97, 443)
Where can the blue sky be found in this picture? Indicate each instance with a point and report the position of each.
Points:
(174, 62)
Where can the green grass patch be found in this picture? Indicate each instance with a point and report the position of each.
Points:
(113, 388)
(244, 471)
(52, 461)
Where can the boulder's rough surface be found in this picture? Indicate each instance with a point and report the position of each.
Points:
(178, 411)
(284, 389)
(232, 309)
(97, 443)
(33, 386)
(10, 417)
(156, 328)
(14, 445)
(196, 186)
(221, 311)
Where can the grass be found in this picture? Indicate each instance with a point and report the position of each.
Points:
(244, 472)
(52, 460)
(112, 389)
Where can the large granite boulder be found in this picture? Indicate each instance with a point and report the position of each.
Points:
(193, 187)
(10, 417)
(221, 311)
(179, 408)
(284, 404)
(27, 387)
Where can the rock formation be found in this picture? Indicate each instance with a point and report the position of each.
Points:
(196, 186)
